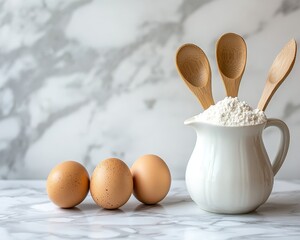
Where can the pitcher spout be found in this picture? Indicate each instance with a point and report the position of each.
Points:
(191, 121)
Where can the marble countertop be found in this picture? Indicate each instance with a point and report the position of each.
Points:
(26, 213)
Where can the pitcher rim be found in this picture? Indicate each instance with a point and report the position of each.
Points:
(186, 122)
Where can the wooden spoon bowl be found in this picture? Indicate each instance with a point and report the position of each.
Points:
(193, 67)
(278, 72)
(231, 53)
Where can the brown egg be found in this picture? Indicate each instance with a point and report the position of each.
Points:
(151, 179)
(111, 183)
(68, 184)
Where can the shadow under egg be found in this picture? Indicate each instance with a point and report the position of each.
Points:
(88, 206)
(145, 207)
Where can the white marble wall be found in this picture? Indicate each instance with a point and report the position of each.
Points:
(87, 80)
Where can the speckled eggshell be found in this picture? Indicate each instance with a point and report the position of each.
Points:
(151, 179)
(111, 183)
(68, 184)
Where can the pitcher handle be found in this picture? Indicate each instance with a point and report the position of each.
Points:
(284, 142)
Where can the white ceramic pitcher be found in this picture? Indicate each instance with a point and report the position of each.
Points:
(229, 170)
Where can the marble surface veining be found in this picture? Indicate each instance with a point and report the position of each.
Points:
(26, 213)
(88, 80)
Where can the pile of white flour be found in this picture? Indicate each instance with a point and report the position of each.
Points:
(232, 112)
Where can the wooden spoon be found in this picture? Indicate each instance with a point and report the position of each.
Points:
(193, 67)
(231, 52)
(278, 72)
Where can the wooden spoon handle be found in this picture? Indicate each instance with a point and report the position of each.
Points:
(231, 85)
(268, 92)
(204, 96)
